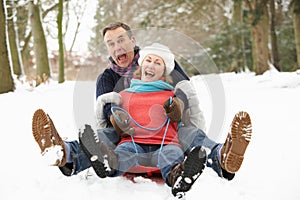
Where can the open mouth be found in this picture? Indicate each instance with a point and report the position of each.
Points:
(149, 74)
(122, 57)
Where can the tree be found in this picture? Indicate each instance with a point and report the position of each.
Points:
(7, 83)
(61, 75)
(238, 61)
(296, 21)
(285, 36)
(274, 45)
(39, 41)
(260, 34)
(25, 31)
(17, 64)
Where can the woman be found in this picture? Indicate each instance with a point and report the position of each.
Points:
(147, 127)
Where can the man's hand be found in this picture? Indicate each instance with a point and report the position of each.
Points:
(175, 110)
(111, 97)
(121, 122)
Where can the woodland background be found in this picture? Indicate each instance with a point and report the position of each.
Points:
(238, 35)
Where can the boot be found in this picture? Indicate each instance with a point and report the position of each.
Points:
(233, 150)
(184, 174)
(45, 134)
(103, 159)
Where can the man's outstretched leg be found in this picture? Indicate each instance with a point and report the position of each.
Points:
(48, 139)
(234, 148)
(68, 156)
(225, 159)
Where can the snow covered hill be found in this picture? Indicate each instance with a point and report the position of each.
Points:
(270, 170)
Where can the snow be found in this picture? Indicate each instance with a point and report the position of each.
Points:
(270, 169)
(53, 155)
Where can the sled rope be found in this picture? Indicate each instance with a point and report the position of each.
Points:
(136, 150)
(163, 141)
(167, 122)
(113, 108)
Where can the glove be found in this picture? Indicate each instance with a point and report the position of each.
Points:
(111, 97)
(175, 110)
(122, 124)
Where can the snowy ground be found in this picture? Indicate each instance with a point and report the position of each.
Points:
(270, 170)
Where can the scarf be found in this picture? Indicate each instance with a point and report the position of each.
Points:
(126, 72)
(138, 86)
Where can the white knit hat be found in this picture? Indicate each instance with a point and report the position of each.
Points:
(161, 51)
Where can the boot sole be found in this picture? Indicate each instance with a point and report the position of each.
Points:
(45, 134)
(193, 168)
(241, 132)
(195, 163)
(89, 143)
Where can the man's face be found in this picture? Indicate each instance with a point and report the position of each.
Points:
(120, 47)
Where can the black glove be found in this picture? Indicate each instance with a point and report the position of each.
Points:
(175, 110)
(121, 123)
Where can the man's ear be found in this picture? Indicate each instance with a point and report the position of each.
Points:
(133, 40)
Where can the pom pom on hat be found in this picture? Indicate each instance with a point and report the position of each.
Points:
(161, 51)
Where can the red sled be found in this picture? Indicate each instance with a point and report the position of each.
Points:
(152, 173)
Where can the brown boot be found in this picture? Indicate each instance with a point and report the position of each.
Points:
(233, 150)
(46, 136)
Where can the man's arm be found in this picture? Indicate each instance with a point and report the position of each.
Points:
(105, 84)
(193, 115)
(185, 91)
(178, 74)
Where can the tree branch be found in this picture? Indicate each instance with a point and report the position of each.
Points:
(249, 5)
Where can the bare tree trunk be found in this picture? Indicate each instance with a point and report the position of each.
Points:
(39, 42)
(61, 75)
(13, 41)
(274, 47)
(25, 49)
(296, 22)
(237, 21)
(7, 83)
(260, 34)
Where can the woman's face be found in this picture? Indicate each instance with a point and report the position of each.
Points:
(153, 68)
